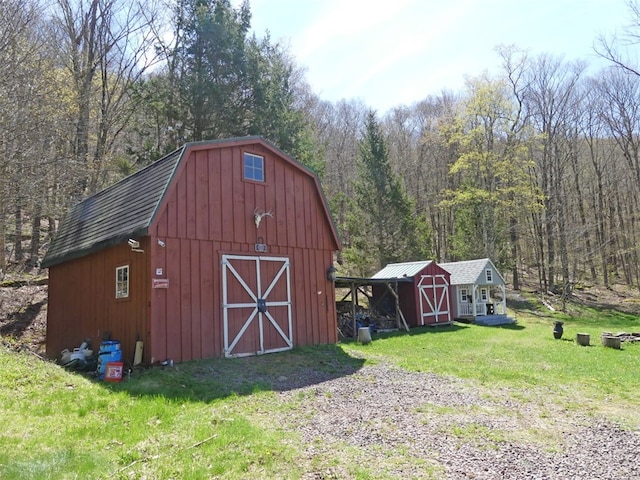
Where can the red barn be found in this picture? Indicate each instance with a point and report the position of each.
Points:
(221, 248)
(422, 290)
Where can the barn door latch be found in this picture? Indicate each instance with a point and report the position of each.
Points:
(262, 305)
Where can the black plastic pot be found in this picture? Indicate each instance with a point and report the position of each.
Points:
(557, 330)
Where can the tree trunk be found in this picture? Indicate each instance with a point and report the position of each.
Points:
(18, 253)
(583, 217)
(513, 234)
(3, 258)
(35, 235)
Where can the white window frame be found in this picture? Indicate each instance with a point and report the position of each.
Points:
(484, 294)
(253, 172)
(464, 295)
(489, 275)
(122, 281)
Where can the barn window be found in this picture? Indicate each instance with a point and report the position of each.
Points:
(489, 275)
(253, 167)
(122, 282)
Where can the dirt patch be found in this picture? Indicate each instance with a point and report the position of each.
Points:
(618, 297)
(23, 317)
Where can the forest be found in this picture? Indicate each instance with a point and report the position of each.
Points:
(536, 167)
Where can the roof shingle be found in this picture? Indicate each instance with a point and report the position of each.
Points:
(113, 215)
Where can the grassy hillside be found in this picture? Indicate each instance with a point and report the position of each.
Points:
(215, 418)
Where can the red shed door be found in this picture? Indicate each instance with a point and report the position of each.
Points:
(434, 299)
(256, 297)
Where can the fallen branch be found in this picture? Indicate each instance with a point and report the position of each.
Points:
(155, 457)
(201, 442)
(24, 283)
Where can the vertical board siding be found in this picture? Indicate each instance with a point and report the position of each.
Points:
(226, 197)
(158, 313)
(201, 195)
(181, 204)
(278, 191)
(215, 194)
(82, 301)
(208, 301)
(186, 320)
(290, 209)
(301, 327)
(213, 206)
(238, 201)
(206, 211)
(195, 302)
(249, 200)
(190, 198)
(173, 319)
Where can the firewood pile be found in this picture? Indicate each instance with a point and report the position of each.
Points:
(364, 318)
(623, 336)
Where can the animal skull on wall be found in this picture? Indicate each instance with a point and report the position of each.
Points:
(257, 216)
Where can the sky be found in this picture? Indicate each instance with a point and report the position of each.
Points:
(389, 53)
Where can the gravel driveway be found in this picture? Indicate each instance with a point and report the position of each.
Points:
(401, 424)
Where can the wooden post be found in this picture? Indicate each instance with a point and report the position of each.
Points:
(353, 308)
(398, 310)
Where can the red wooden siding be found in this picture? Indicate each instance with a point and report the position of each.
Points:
(208, 212)
(176, 296)
(410, 297)
(82, 300)
(312, 298)
(441, 286)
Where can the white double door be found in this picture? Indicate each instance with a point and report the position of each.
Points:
(256, 298)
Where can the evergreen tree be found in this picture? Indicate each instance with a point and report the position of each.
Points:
(220, 82)
(382, 226)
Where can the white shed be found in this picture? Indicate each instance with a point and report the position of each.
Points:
(478, 291)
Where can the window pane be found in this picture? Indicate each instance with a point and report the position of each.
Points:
(122, 282)
(253, 167)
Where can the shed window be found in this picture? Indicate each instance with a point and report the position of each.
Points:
(484, 294)
(464, 295)
(122, 282)
(489, 275)
(253, 167)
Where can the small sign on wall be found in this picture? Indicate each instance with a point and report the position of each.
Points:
(160, 283)
(158, 272)
(261, 247)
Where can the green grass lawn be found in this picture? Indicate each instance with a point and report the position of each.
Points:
(214, 418)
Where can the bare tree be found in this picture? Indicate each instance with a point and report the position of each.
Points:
(22, 99)
(615, 47)
(338, 128)
(550, 99)
(105, 45)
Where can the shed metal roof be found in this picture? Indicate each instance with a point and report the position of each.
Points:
(400, 270)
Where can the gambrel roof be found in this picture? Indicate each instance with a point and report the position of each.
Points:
(471, 272)
(128, 208)
(401, 270)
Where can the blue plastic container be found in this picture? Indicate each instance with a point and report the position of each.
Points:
(109, 346)
(109, 352)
